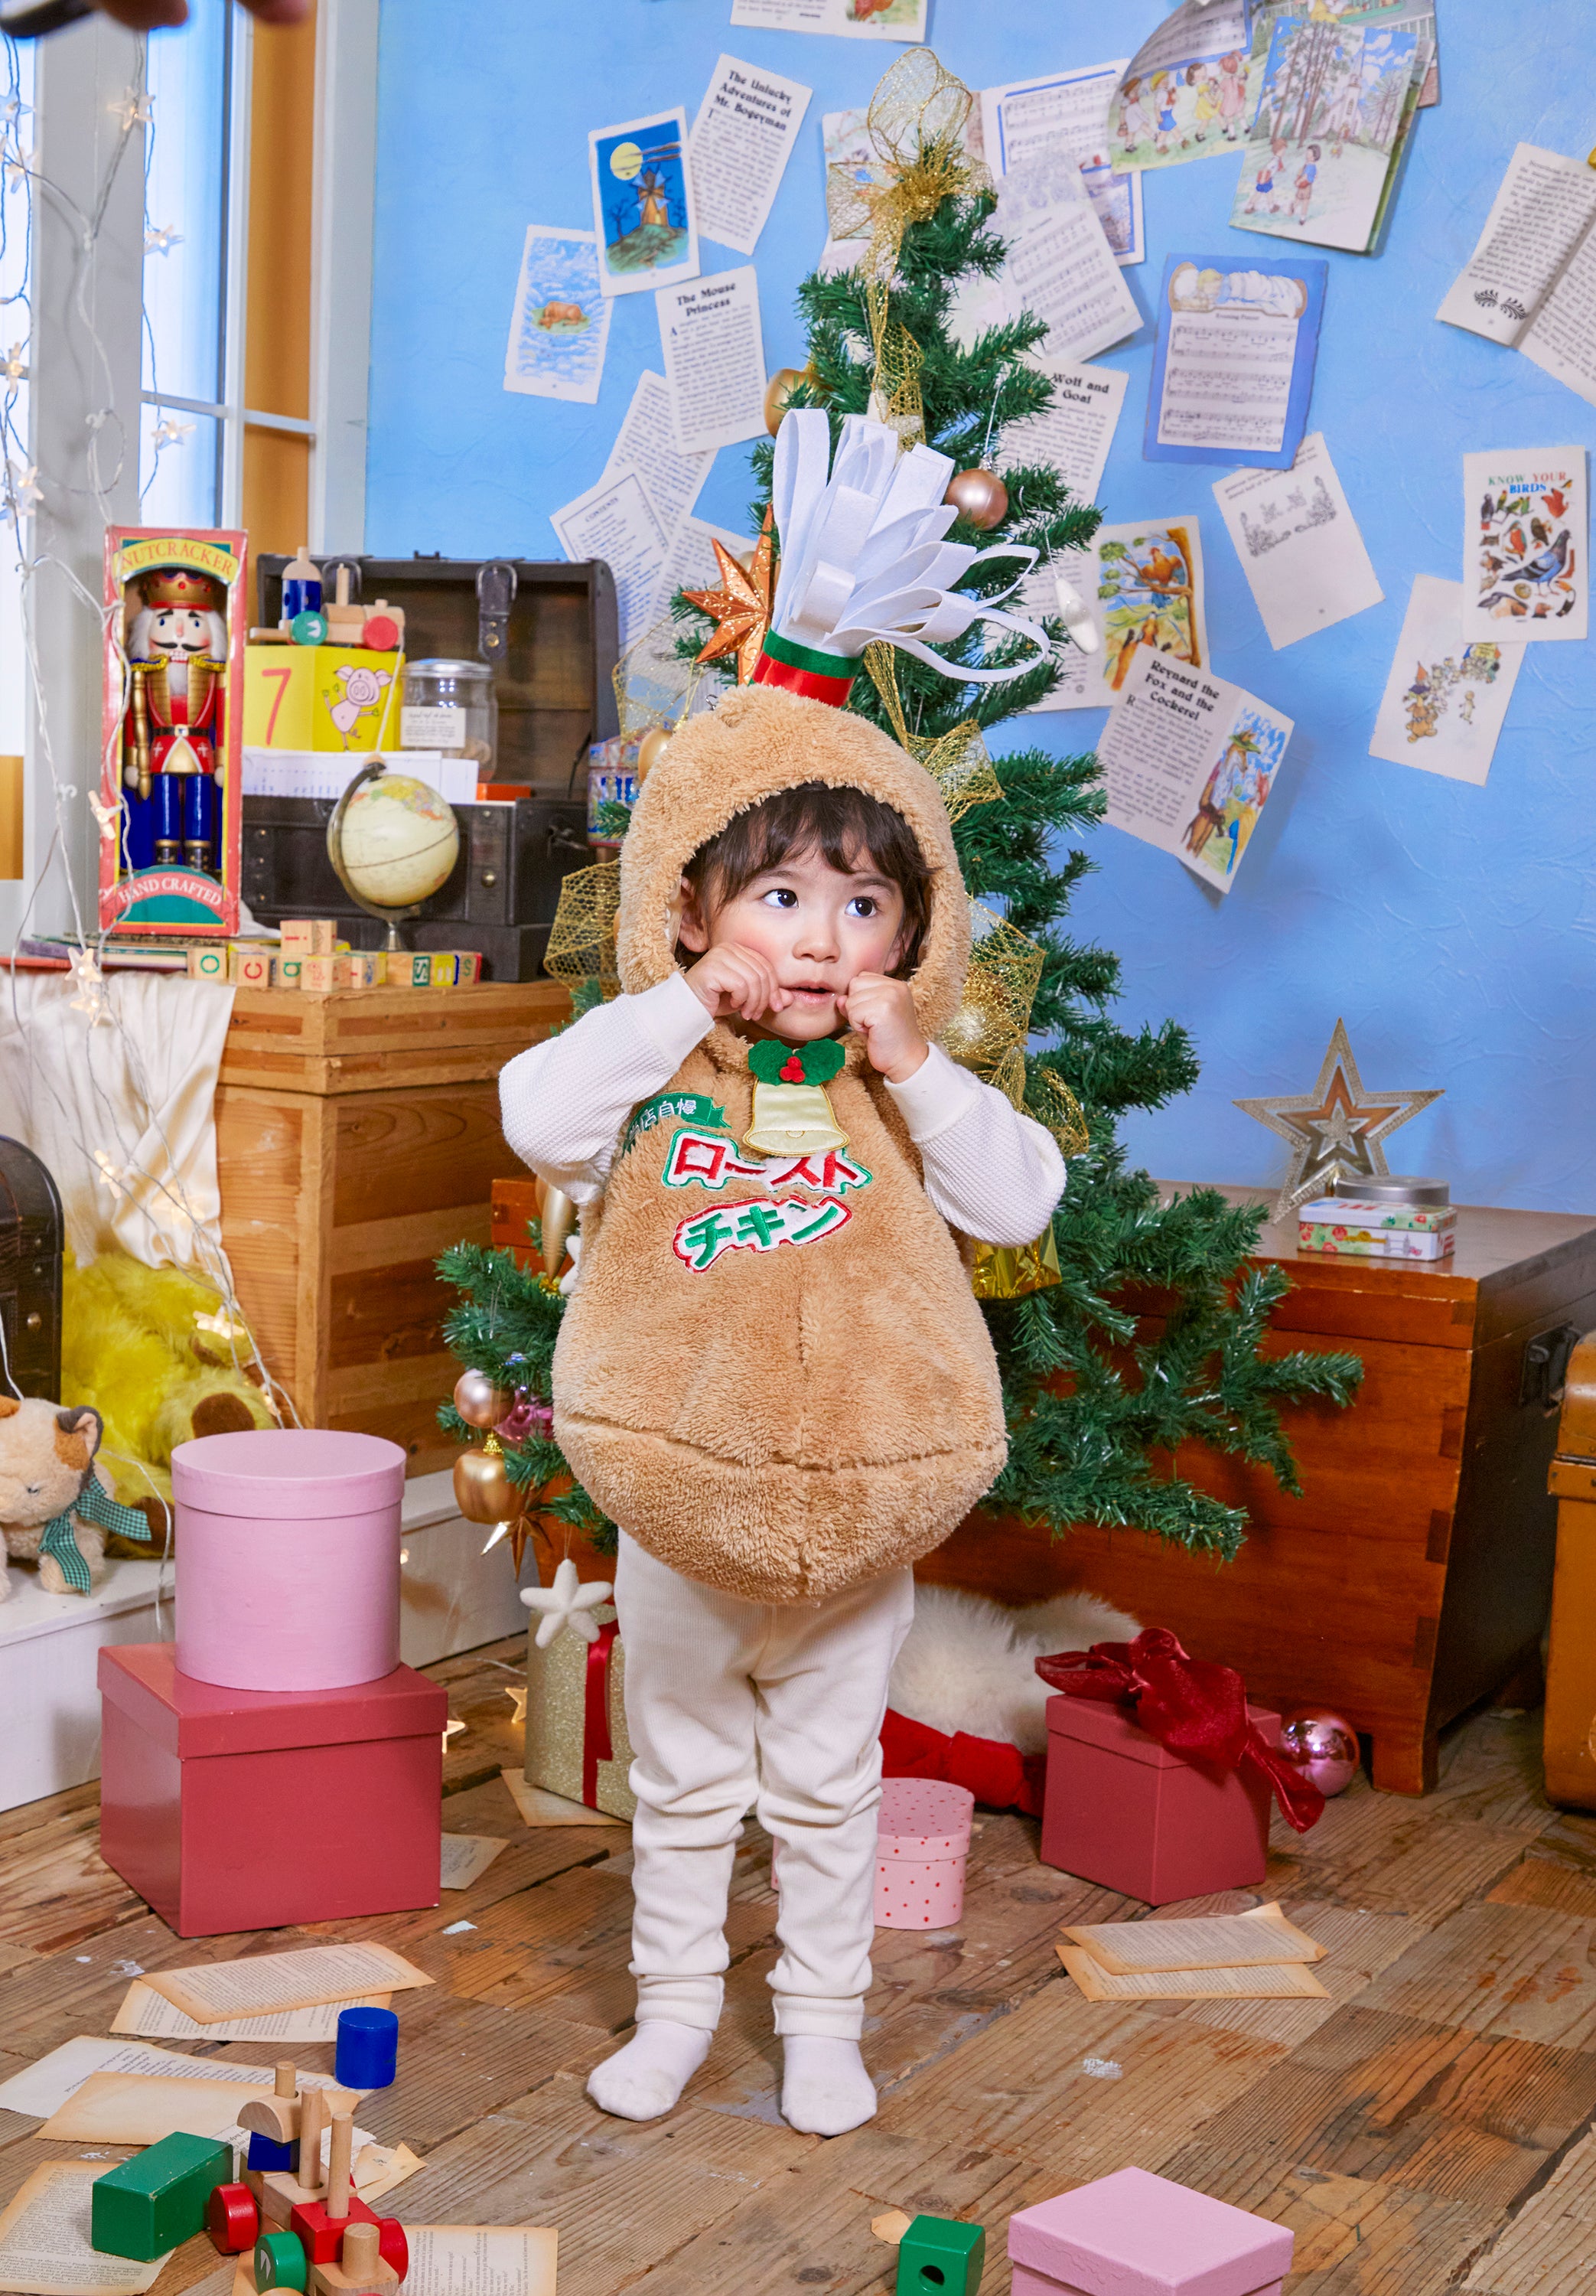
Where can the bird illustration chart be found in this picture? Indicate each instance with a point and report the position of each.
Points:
(1524, 545)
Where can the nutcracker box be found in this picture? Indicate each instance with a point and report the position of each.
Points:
(1122, 1811)
(325, 697)
(171, 785)
(577, 1742)
(246, 1809)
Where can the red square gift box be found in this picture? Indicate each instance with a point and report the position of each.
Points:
(1123, 1811)
(246, 1809)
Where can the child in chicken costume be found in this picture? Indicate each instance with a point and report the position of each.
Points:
(772, 1373)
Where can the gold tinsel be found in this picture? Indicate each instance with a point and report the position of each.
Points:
(956, 761)
(987, 1033)
(1004, 1271)
(582, 937)
(915, 124)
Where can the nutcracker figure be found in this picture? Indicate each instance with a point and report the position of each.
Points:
(175, 729)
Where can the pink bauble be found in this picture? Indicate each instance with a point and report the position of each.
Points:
(1323, 1746)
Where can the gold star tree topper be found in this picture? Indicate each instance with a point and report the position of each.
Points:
(1336, 1131)
(740, 606)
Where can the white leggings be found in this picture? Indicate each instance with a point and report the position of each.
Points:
(776, 1706)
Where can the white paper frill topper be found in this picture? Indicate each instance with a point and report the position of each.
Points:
(568, 1602)
(862, 553)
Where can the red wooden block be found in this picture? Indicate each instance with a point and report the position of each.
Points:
(323, 2235)
(239, 1809)
(1122, 1811)
(231, 2218)
(392, 2246)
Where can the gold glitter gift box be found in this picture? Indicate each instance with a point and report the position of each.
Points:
(577, 1742)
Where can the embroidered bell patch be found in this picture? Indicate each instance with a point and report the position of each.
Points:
(792, 1115)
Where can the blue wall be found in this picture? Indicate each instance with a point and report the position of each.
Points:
(1454, 928)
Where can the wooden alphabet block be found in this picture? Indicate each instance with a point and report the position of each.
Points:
(250, 966)
(306, 936)
(365, 968)
(469, 968)
(286, 971)
(316, 974)
(207, 964)
(445, 968)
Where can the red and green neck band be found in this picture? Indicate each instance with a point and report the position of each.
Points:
(803, 670)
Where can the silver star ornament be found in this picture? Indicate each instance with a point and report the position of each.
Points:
(1338, 1130)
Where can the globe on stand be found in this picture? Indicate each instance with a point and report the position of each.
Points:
(393, 842)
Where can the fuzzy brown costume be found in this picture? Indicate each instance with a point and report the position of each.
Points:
(789, 1422)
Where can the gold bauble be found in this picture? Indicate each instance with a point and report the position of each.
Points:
(479, 1402)
(482, 1490)
(778, 391)
(980, 498)
(649, 751)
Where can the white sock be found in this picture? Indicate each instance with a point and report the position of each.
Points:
(645, 2078)
(825, 2088)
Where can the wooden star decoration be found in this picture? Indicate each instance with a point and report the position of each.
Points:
(1336, 1131)
(742, 606)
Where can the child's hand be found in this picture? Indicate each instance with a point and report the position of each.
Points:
(727, 980)
(883, 1012)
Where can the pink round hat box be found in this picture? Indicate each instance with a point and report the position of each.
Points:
(923, 1842)
(288, 1558)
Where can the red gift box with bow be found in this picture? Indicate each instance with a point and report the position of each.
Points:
(1160, 1773)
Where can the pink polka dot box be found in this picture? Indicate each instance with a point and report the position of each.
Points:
(923, 1842)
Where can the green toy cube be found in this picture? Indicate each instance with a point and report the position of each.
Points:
(939, 2258)
(158, 2199)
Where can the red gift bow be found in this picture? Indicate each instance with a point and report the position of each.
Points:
(596, 1744)
(1190, 1705)
(997, 1774)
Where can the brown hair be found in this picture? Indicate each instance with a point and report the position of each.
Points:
(840, 825)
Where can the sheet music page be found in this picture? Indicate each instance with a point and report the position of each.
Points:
(1544, 205)
(1059, 266)
(1227, 379)
(1062, 120)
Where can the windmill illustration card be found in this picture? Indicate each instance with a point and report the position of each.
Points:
(1524, 540)
(643, 205)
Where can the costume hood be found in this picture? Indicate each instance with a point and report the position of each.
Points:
(772, 1372)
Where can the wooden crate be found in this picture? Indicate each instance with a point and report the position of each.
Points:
(357, 1135)
(1411, 1578)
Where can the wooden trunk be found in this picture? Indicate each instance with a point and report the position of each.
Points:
(1411, 1578)
(1570, 1730)
(357, 1135)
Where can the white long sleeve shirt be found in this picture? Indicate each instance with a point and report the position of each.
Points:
(989, 1170)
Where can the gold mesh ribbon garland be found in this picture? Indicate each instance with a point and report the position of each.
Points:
(582, 937)
(957, 761)
(915, 124)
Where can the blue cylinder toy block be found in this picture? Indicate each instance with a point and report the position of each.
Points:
(368, 2048)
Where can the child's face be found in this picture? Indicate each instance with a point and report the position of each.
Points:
(818, 928)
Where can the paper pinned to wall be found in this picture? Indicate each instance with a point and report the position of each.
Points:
(643, 202)
(1060, 267)
(560, 325)
(713, 359)
(614, 521)
(741, 141)
(1233, 364)
(510, 2259)
(690, 562)
(1447, 696)
(46, 2243)
(646, 444)
(1298, 542)
(1062, 120)
(1188, 761)
(1531, 281)
(1524, 545)
(848, 20)
(1182, 94)
(1074, 436)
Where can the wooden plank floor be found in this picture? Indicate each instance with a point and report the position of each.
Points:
(1429, 2127)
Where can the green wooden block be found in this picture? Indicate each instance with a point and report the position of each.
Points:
(156, 2200)
(939, 2258)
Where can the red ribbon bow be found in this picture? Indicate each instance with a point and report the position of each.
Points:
(1190, 1705)
(596, 1744)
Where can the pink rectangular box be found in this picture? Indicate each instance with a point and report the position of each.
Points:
(1136, 2234)
(1122, 1811)
(246, 1809)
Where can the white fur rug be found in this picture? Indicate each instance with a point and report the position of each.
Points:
(967, 1664)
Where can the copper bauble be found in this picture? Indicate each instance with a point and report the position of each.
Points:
(479, 1402)
(1323, 1746)
(778, 391)
(482, 1490)
(980, 498)
(649, 751)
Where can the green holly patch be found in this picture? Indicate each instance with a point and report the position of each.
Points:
(775, 1062)
(674, 1107)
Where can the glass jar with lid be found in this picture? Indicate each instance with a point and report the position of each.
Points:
(451, 705)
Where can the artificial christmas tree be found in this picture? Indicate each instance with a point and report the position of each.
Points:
(1095, 1410)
